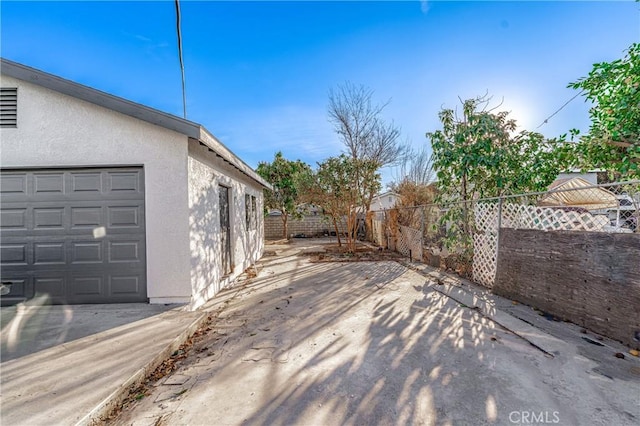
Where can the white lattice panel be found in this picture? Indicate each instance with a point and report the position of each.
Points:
(484, 258)
(486, 217)
(410, 239)
(550, 219)
(520, 216)
(485, 247)
(485, 243)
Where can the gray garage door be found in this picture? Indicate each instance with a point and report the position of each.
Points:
(76, 235)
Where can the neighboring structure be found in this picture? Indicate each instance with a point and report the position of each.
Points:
(386, 200)
(104, 200)
(590, 176)
(578, 192)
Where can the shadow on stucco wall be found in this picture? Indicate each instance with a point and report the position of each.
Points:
(207, 275)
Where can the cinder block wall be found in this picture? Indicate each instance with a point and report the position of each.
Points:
(589, 278)
(309, 226)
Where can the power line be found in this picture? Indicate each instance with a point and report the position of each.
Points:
(560, 109)
(179, 31)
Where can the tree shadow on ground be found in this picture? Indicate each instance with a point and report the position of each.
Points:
(353, 343)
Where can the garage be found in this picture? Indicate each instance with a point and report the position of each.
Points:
(105, 200)
(73, 235)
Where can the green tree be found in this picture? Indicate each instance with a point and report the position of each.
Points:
(613, 141)
(283, 175)
(334, 186)
(480, 155)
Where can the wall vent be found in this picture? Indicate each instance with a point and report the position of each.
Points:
(8, 107)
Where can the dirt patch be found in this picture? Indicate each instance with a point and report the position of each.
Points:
(364, 253)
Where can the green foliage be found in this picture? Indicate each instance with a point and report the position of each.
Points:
(613, 141)
(336, 187)
(479, 155)
(283, 175)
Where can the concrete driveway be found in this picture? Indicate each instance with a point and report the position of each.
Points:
(64, 365)
(36, 326)
(377, 343)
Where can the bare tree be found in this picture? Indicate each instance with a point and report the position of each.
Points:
(367, 137)
(358, 122)
(415, 167)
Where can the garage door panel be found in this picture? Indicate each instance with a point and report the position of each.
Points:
(51, 285)
(86, 182)
(78, 234)
(49, 253)
(19, 287)
(13, 184)
(124, 251)
(123, 216)
(48, 183)
(13, 218)
(125, 285)
(86, 217)
(14, 254)
(85, 286)
(48, 218)
(123, 182)
(87, 252)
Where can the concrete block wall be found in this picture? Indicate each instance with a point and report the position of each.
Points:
(589, 278)
(309, 226)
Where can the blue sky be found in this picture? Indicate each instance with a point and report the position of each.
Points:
(258, 73)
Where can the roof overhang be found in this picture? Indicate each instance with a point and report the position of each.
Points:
(150, 115)
(214, 145)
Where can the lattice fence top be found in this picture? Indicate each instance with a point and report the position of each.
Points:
(521, 216)
(551, 219)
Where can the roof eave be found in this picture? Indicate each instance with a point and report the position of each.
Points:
(132, 109)
(97, 97)
(208, 139)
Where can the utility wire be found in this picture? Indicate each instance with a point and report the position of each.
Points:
(179, 31)
(560, 109)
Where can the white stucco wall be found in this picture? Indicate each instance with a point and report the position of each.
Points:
(206, 173)
(57, 130)
(384, 201)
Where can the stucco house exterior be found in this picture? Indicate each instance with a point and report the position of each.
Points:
(384, 201)
(104, 200)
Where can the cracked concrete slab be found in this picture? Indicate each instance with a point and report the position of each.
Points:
(379, 343)
(176, 379)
